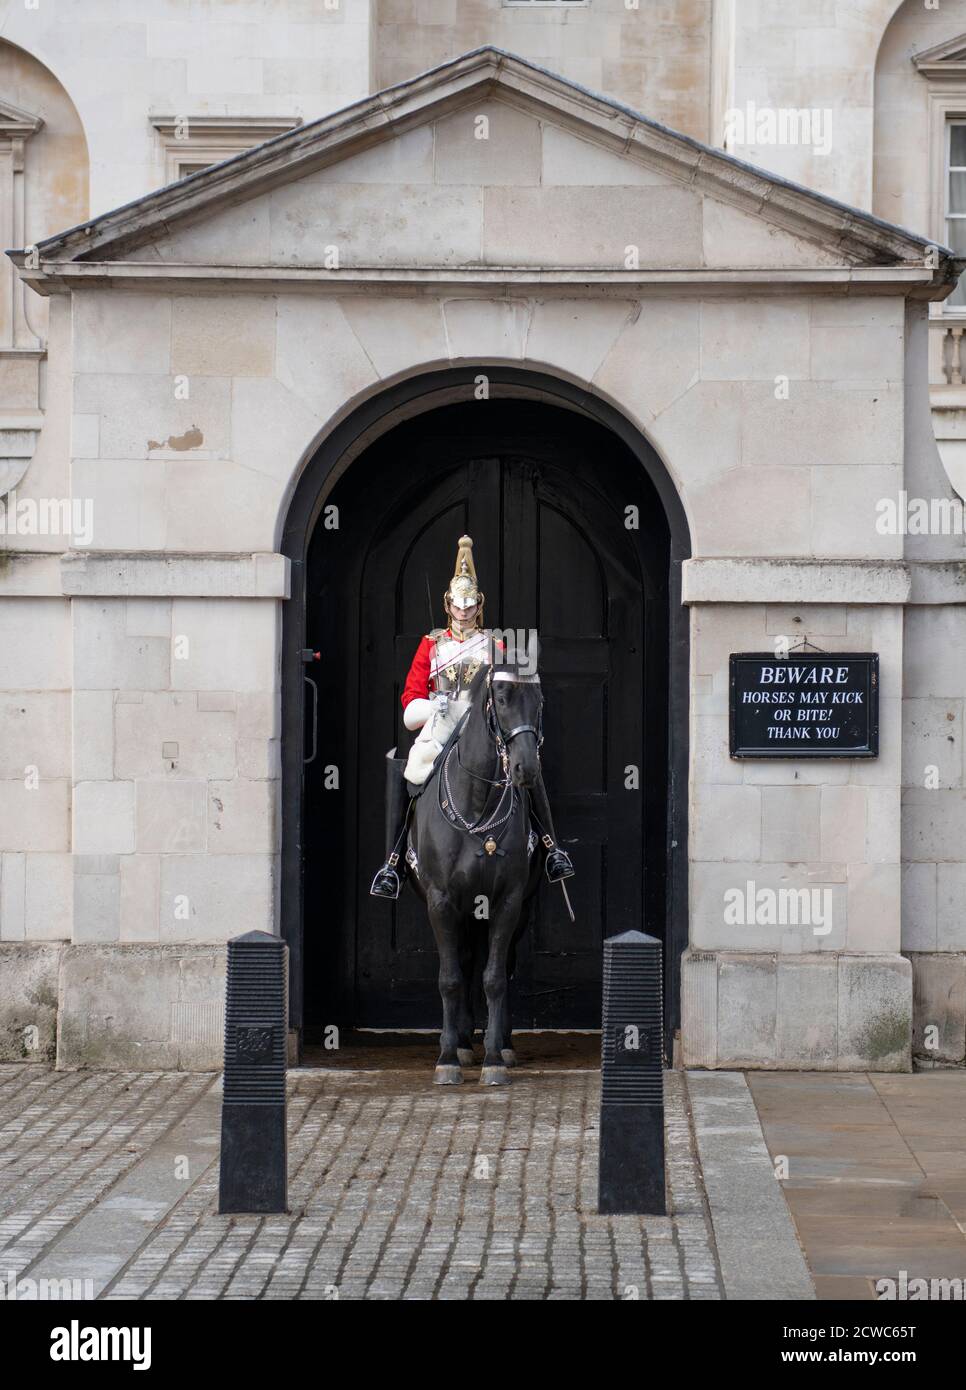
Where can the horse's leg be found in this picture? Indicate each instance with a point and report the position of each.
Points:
(464, 1024)
(502, 925)
(506, 1051)
(446, 931)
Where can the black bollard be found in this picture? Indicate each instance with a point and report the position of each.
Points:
(253, 1173)
(632, 1078)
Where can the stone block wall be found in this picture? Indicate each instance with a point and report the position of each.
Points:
(654, 56)
(795, 866)
(934, 828)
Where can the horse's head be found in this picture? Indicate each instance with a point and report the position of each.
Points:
(514, 712)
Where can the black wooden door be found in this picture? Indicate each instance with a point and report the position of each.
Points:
(553, 554)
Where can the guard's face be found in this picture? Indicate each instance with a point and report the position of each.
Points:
(463, 617)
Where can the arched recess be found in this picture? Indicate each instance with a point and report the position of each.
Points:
(45, 175)
(408, 401)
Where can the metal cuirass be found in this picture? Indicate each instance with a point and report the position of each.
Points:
(454, 663)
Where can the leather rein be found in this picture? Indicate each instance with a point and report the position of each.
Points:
(502, 738)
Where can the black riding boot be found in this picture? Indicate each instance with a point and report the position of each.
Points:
(558, 863)
(390, 878)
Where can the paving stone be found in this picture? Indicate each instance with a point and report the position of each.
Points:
(396, 1192)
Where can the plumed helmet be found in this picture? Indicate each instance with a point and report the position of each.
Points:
(463, 591)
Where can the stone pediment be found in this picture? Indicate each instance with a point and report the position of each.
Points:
(485, 164)
(946, 59)
(15, 122)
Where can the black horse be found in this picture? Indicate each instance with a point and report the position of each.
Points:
(476, 862)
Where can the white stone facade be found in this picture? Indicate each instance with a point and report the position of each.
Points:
(200, 344)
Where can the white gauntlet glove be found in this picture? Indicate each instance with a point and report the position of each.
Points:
(417, 712)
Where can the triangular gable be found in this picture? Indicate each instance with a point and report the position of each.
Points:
(826, 231)
(15, 122)
(943, 59)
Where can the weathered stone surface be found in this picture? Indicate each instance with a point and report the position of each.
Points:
(122, 333)
(832, 1011)
(919, 931)
(121, 1005)
(875, 1013)
(28, 1001)
(844, 813)
(699, 1008)
(214, 335)
(35, 817)
(489, 143)
(211, 897)
(932, 741)
(951, 907)
(790, 823)
(171, 816)
(939, 1007)
(747, 1009)
(807, 1028)
(874, 907)
(726, 823)
(104, 818)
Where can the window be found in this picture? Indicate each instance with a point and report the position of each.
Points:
(191, 166)
(955, 200)
(944, 70)
(191, 143)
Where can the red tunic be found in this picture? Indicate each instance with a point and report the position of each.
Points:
(418, 684)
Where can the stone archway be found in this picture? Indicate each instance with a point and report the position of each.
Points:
(413, 400)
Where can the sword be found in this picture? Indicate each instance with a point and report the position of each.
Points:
(563, 889)
(429, 599)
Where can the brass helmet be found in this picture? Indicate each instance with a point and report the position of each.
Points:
(463, 591)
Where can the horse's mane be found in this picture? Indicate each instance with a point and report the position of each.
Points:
(477, 683)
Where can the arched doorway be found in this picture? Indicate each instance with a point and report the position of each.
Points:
(573, 538)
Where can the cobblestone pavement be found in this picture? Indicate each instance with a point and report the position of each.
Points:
(396, 1189)
(66, 1138)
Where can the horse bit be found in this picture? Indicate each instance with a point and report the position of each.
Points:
(502, 740)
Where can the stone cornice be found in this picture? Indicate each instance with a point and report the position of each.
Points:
(706, 580)
(121, 574)
(780, 580)
(257, 128)
(61, 277)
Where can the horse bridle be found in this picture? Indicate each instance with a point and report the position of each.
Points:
(502, 738)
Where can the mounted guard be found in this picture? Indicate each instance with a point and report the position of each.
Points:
(435, 699)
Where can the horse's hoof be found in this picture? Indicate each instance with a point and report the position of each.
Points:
(494, 1076)
(509, 1056)
(465, 1054)
(448, 1076)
